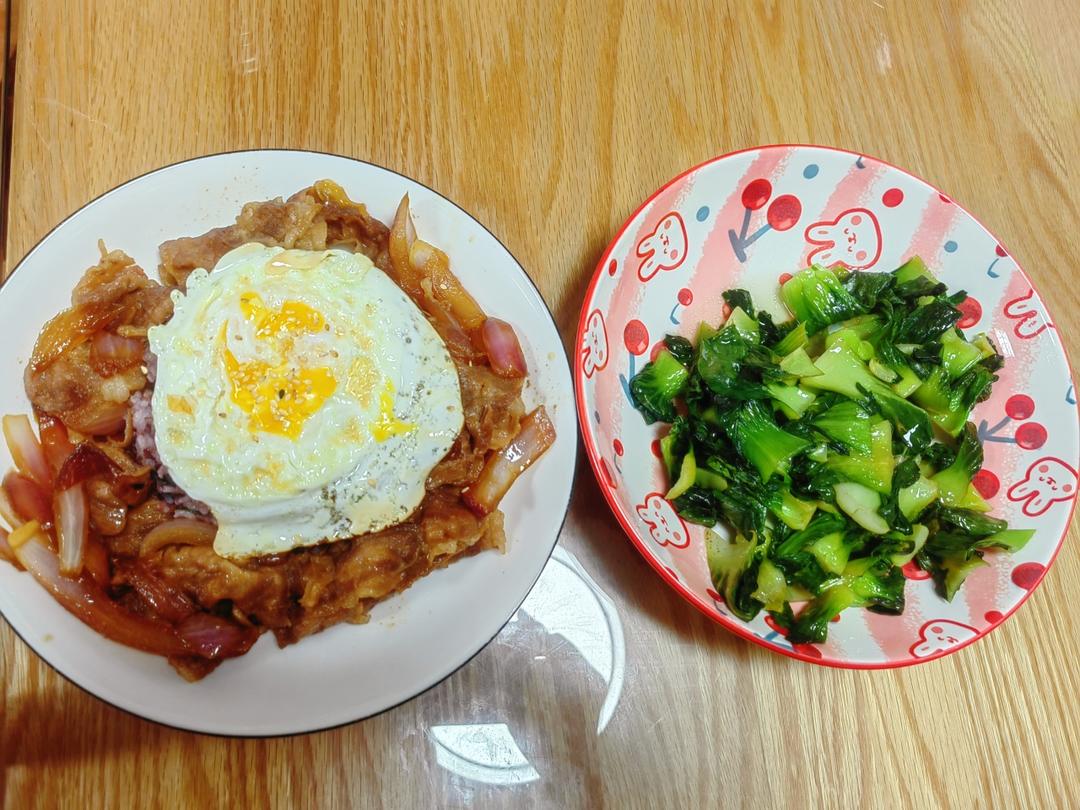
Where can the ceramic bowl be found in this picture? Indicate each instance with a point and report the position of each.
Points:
(414, 639)
(747, 220)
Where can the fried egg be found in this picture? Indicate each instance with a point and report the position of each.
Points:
(302, 396)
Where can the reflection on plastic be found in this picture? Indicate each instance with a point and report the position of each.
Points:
(484, 752)
(567, 602)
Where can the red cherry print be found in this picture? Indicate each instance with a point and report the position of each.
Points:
(1000, 251)
(617, 447)
(686, 296)
(912, 571)
(784, 212)
(714, 595)
(993, 616)
(784, 278)
(892, 198)
(655, 447)
(756, 193)
(607, 474)
(986, 483)
(835, 618)
(1020, 406)
(970, 313)
(1026, 575)
(944, 199)
(656, 349)
(612, 267)
(636, 337)
(1031, 435)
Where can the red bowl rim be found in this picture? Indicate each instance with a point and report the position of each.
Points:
(594, 458)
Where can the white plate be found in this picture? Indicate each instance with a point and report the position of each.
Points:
(413, 640)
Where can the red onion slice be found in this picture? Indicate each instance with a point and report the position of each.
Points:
(55, 442)
(111, 353)
(6, 552)
(28, 500)
(25, 450)
(502, 348)
(71, 528)
(88, 602)
(535, 435)
(214, 638)
(178, 532)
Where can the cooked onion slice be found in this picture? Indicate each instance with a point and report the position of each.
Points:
(6, 552)
(111, 353)
(212, 637)
(535, 435)
(100, 418)
(178, 532)
(402, 236)
(434, 265)
(88, 602)
(28, 500)
(96, 561)
(25, 450)
(165, 600)
(55, 442)
(7, 511)
(71, 528)
(70, 328)
(503, 350)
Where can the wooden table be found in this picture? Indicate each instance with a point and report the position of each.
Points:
(551, 121)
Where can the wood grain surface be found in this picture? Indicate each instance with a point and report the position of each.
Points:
(550, 122)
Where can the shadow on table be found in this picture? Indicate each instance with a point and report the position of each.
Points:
(625, 575)
(52, 726)
(618, 563)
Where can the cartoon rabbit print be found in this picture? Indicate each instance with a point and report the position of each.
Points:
(594, 346)
(940, 635)
(852, 239)
(1048, 481)
(665, 525)
(664, 248)
(1031, 319)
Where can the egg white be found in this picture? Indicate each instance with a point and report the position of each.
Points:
(343, 475)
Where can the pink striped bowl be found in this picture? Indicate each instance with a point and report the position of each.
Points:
(746, 219)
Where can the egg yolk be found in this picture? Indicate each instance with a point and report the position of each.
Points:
(387, 425)
(279, 397)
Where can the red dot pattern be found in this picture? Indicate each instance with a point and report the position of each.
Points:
(686, 296)
(784, 212)
(970, 313)
(636, 337)
(1026, 575)
(1020, 406)
(612, 267)
(756, 193)
(1031, 435)
(986, 483)
(892, 198)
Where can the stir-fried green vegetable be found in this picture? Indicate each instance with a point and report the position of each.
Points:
(836, 446)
